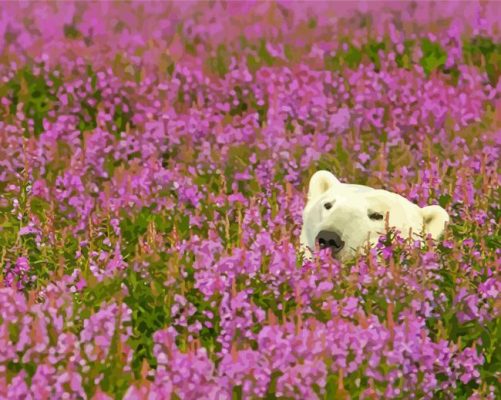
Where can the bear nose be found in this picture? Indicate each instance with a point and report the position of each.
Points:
(330, 240)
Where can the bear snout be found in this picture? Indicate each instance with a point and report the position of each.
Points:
(330, 240)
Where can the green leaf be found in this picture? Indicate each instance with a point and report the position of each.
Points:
(434, 56)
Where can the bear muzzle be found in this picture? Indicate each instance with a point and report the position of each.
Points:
(330, 240)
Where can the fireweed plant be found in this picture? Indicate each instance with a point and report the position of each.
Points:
(153, 166)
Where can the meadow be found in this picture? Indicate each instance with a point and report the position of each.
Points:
(154, 161)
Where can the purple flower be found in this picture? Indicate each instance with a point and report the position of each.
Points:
(340, 120)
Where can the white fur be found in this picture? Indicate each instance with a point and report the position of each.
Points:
(349, 214)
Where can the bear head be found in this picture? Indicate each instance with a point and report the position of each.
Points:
(346, 217)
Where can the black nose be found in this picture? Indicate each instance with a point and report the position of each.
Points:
(330, 240)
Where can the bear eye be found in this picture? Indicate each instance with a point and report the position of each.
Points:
(376, 216)
(328, 206)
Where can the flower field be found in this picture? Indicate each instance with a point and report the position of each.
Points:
(154, 161)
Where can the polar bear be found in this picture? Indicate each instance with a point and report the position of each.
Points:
(344, 217)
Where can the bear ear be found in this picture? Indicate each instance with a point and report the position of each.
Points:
(320, 182)
(434, 220)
